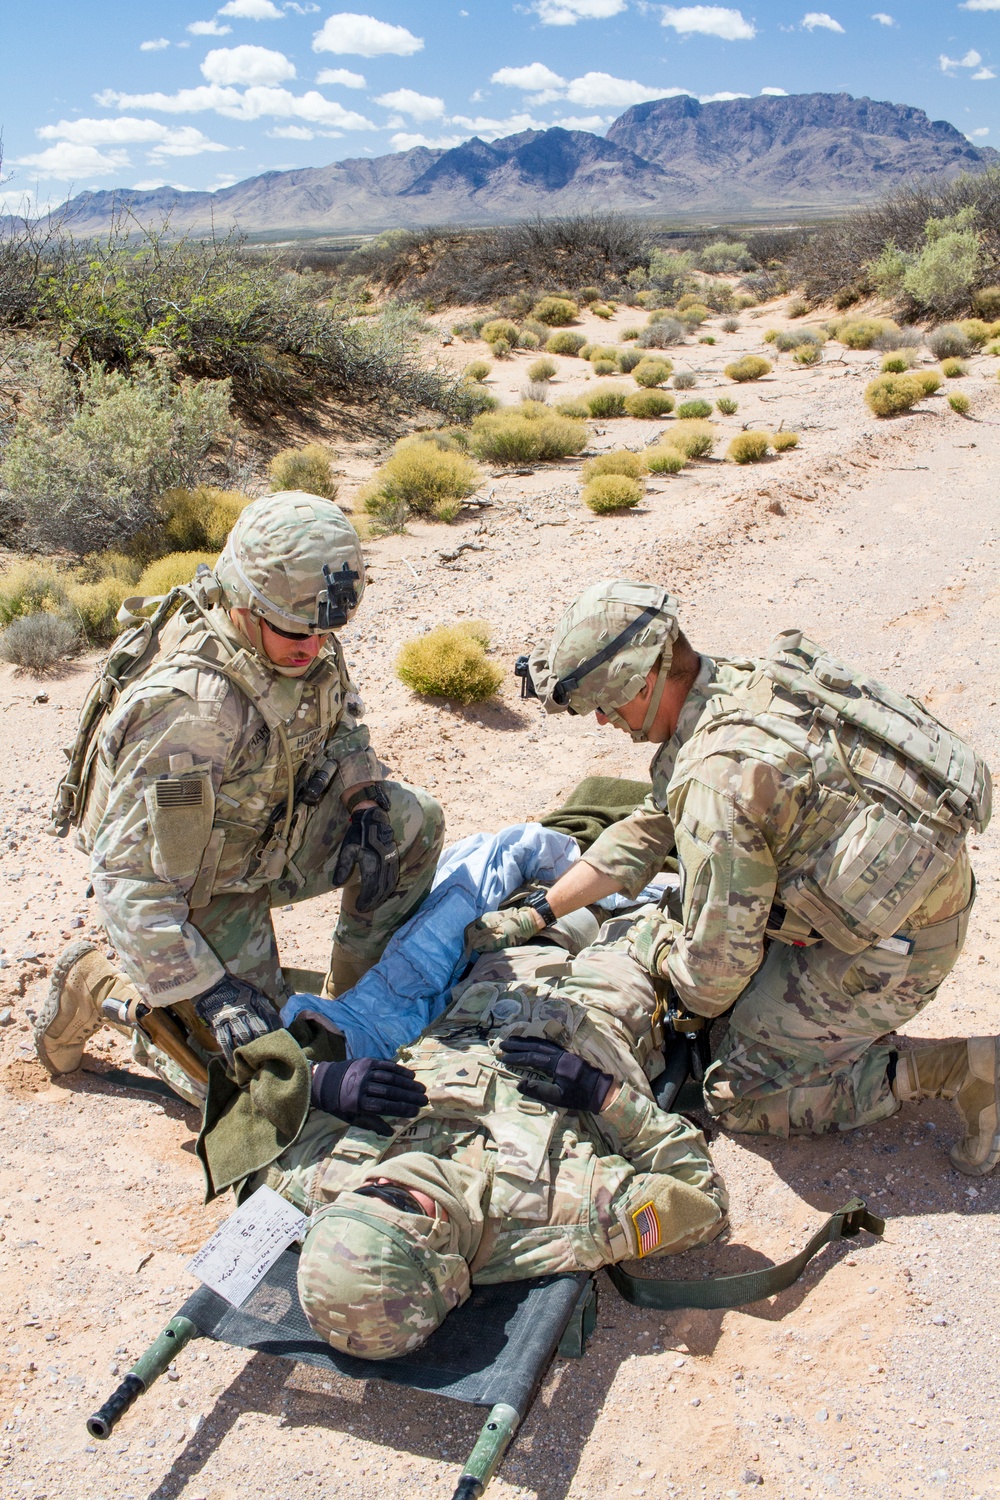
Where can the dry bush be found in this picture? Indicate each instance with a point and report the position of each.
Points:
(748, 447)
(170, 571)
(529, 434)
(528, 340)
(477, 370)
(429, 479)
(555, 312)
(807, 354)
(949, 342)
(29, 587)
(619, 461)
(953, 369)
(629, 333)
(889, 395)
(571, 406)
(750, 367)
(306, 469)
(797, 308)
(695, 409)
(784, 442)
(652, 403)
(928, 380)
(609, 492)
(605, 401)
(36, 643)
(793, 338)
(730, 325)
(565, 342)
(959, 403)
(652, 372)
(590, 294)
(629, 359)
(693, 438)
(976, 331)
(603, 351)
(603, 310)
(685, 381)
(200, 519)
(541, 369)
(861, 333)
(499, 330)
(605, 367)
(536, 391)
(987, 301)
(450, 662)
(899, 363)
(665, 460)
(727, 406)
(661, 335)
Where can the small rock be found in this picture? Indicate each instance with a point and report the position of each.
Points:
(750, 1476)
(195, 1424)
(695, 1400)
(6, 1016)
(40, 698)
(822, 1415)
(940, 1322)
(50, 1338)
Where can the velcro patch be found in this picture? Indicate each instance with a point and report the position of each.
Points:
(189, 792)
(647, 1229)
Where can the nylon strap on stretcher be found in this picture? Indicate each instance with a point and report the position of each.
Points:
(753, 1286)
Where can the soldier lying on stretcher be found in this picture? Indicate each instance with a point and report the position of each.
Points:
(516, 1137)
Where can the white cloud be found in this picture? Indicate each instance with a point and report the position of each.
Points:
(971, 59)
(595, 89)
(343, 77)
(980, 5)
(183, 141)
(708, 20)
(776, 93)
(568, 12)
(253, 104)
(291, 133)
(594, 123)
(983, 130)
(417, 106)
(405, 141)
(156, 45)
(533, 76)
(884, 20)
(67, 161)
(365, 37)
(250, 65)
(166, 140)
(819, 20)
(722, 98)
(982, 74)
(252, 10)
(208, 28)
(492, 130)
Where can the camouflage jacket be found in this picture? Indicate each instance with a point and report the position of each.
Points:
(189, 784)
(560, 1191)
(763, 812)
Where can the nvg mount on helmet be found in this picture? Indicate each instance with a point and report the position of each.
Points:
(334, 607)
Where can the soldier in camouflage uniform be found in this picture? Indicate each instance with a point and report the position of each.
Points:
(222, 769)
(525, 1141)
(820, 822)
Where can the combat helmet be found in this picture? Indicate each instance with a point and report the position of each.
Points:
(376, 1281)
(294, 560)
(604, 648)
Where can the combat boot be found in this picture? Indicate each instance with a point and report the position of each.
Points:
(967, 1073)
(81, 980)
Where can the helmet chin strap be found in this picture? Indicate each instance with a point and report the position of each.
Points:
(248, 624)
(640, 736)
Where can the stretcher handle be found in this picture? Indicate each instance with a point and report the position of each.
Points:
(487, 1456)
(147, 1368)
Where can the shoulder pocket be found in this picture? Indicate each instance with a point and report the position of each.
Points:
(181, 810)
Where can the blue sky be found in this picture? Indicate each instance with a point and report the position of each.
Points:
(126, 94)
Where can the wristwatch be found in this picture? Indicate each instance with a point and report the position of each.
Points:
(539, 901)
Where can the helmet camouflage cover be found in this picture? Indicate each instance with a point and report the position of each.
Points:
(604, 648)
(294, 560)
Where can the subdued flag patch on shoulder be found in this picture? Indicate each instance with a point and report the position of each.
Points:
(647, 1228)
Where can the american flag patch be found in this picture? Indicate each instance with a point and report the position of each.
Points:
(647, 1228)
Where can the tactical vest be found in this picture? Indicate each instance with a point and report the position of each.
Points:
(870, 852)
(255, 828)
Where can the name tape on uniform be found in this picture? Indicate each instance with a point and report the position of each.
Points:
(244, 1248)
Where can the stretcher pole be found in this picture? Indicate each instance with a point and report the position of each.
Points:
(487, 1456)
(148, 1367)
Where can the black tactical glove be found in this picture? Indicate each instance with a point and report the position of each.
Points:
(235, 1013)
(370, 844)
(366, 1086)
(575, 1084)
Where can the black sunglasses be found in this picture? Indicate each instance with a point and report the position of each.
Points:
(290, 635)
(396, 1197)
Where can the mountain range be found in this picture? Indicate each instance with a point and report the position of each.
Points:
(668, 157)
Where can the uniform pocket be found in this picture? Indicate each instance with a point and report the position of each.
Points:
(181, 810)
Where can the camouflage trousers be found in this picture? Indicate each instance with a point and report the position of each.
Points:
(805, 1050)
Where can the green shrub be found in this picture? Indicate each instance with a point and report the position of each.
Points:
(430, 480)
(529, 434)
(987, 301)
(706, 338)
(527, 340)
(750, 367)
(665, 460)
(620, 461)
(807, 354)
(29, 587)
(948, 342)
(306, 469)
(976, 331)
(896, 364)
(477, 369)
(603, 352)
(694, 315)
(861, 333)
(541, 369)
(565, 342)
(500, 329)
(605, 401)
(170, 571)
(959, 403)
(928, 380)
(724, 256)
(770, 335)
(748, 447)
(629, 359)
(888, 395)
(602, 310)
(586, 350)
(501, 348)
(695, 409)
(571, 406)
(37, 642)
(784, 442)
(727, 406)
(685, 381)
(610, 492)
(629, 333)
(555, 312)
(952, 369)
(590, 294)
(95, 605)
(692, 437)
(450, 662)
(797, 308)
(943, 273)
(662, 334)
(199, 520)
(605, 366)
(652, 372)
(653, 403)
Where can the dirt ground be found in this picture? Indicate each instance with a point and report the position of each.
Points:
(873, 1376)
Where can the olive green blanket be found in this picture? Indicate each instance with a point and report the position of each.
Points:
(594, 805)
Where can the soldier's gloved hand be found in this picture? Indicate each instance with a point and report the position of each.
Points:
(367, 1086)
(369, 844)
(496, 930)
(575, 1084)
(650, 937)
(236, 1013)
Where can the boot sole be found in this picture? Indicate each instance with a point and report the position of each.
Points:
(50, 1009)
